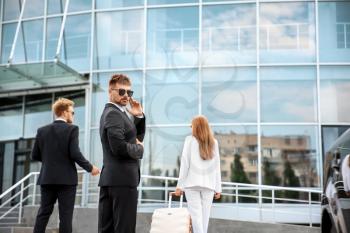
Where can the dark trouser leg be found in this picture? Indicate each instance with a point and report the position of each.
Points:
(66, 199)
(124, 209)
(48, 199)
(105, 212)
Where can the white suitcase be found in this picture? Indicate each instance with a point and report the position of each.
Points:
(171, 220)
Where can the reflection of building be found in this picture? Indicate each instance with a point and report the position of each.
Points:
(277, 149)
(242, 144)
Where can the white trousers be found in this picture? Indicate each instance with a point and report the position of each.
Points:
(199, 201)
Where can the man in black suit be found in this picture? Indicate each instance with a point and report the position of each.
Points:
(121, 139)
(57, 148)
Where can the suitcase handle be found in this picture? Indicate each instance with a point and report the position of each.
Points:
(171, 196)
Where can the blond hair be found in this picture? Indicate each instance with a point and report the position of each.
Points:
(61, 105)
(202, 132)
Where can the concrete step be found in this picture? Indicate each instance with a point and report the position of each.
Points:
(24, 230)
(85, 221)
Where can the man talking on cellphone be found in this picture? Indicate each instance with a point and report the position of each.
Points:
(121, 139)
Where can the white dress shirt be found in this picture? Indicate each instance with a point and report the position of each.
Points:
(196, 172)
(345, 171)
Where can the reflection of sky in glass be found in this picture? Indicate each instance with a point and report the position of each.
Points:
(155, 2)
(119, 40)
(288, 94)
(11, 119)
(52, 33)
(29, 43)
(335, 86)
(229, 34)
(76, 42)
(171, 96)
(172, 35)
(229, 95)
(8, 33)
(100, 92)
(287, 32)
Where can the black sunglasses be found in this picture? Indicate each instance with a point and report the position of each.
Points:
(122, 92)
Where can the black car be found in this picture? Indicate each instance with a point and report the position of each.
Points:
(335, 202)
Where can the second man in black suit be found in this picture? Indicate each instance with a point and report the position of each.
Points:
(122, 146)
(57, 148)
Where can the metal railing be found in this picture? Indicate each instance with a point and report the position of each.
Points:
(154, 190)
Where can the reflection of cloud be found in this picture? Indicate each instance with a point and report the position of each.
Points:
(334, 106)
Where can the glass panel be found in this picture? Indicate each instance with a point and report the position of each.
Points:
(33, 8)
(229, 95)
(229, 34)
(238, 147)
(8, 34)
(29, 44)
(334, 93)
(119, 40)
(172, 96)
(160, 2)
(11, 9)
(11, 118)
(287, 32)
(329, 135)
(290, 156)
(163, 149)
(53, 28)
(100, 92)
(288, 94)
(79, 106)
(103, 4)
(334, 21)
(172, 37)
(37, 113)
(76, 43)
(55, 6)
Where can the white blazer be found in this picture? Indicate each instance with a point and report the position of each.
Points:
(196, 172)
(345, 171)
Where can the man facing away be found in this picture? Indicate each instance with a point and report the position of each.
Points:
(57, 148)
(121, 139)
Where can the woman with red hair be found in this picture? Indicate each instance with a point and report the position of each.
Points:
(200, 175)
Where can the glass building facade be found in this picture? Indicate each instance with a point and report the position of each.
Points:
(272, 77)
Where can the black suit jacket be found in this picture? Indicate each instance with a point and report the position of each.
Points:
(57, 147)
(121, 154)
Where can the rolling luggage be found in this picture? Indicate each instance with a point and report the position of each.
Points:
(171, 220)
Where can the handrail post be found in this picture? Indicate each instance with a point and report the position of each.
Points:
(273, 205)
(310, 209)
(83, 189)
(34, 190)
(237, 200)
(20, 204)
(166, 190)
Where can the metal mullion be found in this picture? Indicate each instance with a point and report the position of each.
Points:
(16, 34)
(228, 2)
(172, 5)
(44, 32)
(257, 32)
(289, 123)
(318, 94)
(144, 67)
(23, 114)
(200, 75)
(1, 23)
(88, 104)
(120, 9)
(61, 31)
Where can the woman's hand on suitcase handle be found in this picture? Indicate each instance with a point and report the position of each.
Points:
(178, 192)
(217, 196)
